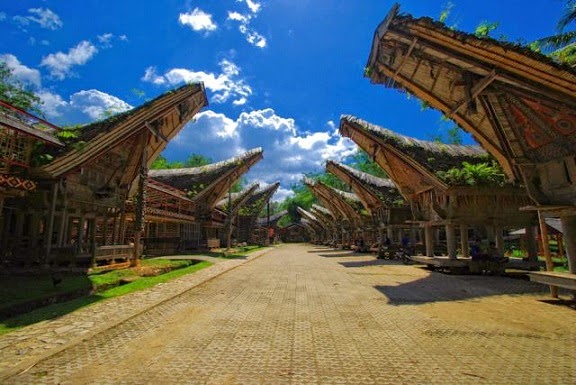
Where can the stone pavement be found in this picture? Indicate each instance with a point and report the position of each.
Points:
(311, 315)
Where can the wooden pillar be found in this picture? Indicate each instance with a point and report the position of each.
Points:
(92, 240)
(464, 241)
(569, 228)
(34, 229)
(499, 240)
(390, 233)
(79, 247)
(451, 240)
(139, 215)
(546, 248)
(429, 239)
(381, 239)
(531, 244)
(51, 214)
(105, 220)
(560, 243)
(7, 223)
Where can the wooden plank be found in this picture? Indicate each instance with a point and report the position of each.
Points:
(565, 280)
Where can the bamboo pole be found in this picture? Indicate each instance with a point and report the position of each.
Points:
(546, 248)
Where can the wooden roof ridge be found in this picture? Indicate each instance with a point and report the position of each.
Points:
(373, 191)
(26, 127)
(151, 183)
(515, 58)
(410, 144)
(238, 198)
(262, 221)
(321, 209)
(306, 213)
(411, 163)
(209, 168)
(364, 177)
(337, 199)
(102, 136)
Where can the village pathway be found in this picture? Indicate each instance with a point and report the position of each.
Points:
(304, 314)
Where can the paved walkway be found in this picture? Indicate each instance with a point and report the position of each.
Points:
(308, 315)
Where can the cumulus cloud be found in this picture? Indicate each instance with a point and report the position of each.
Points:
(20, 72)
(224, 86)
(60, 63)
(105, 40)
(53, 105)
(97, 104)
(45, 18)
(2, 16)
(251, 36)
(198, 20)
(288, 152)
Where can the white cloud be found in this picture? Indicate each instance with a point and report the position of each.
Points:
(252, 37)
(254, 6)
(224, 86)
(52, 104)
(21, 73)
(105, 40)
(45, 17)
(2, 16)
(60, 63)
(97, 104)
(198, 20)
(287, 152)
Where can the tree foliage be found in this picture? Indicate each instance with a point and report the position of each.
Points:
(480, 174)
(361, 161)
(16, 94)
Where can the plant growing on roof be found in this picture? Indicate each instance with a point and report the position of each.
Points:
(479, 174)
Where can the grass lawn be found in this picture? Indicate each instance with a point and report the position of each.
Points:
(103, 285)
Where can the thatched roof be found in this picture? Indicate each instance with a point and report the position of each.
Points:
(237, 199)
(149, 126)
(263, 221)
(518, 104)
(209, 184)
(30, 128)
(373, 191)
(411, 163)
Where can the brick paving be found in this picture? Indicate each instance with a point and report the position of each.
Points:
(310, 315)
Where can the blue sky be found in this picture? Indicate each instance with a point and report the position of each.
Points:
(278, 73)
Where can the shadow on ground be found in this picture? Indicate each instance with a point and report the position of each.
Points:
(371, 262)
(437, 287)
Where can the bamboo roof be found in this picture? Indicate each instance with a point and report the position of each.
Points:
(518, 104)
(311, 218)
(324, 215)
(148, 128)
(411, 163)
(209, 184)
(258, 200)
(263, 221)
(29, 127)
(374, 192)
(346, 205)
(237, 199)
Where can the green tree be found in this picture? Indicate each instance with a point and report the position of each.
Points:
(362, 162)
(197, 160)
(561, 46)
(16, 94)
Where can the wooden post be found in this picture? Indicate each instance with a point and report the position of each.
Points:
(229, 220)
(560, 243)
(546, 249)
(464, 241)
(51, 214)
(531, 244)
(569, 228)
(499, 240)
(451, 240)
(92, 226)
(141, 206)
(429, 239)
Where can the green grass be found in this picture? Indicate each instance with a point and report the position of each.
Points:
(101, 279)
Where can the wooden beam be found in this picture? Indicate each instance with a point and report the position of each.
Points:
(474, 92)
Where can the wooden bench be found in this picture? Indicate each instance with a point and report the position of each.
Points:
(552, 278)
(114, 253)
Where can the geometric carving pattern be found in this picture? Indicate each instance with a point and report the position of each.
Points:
(17, 183)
